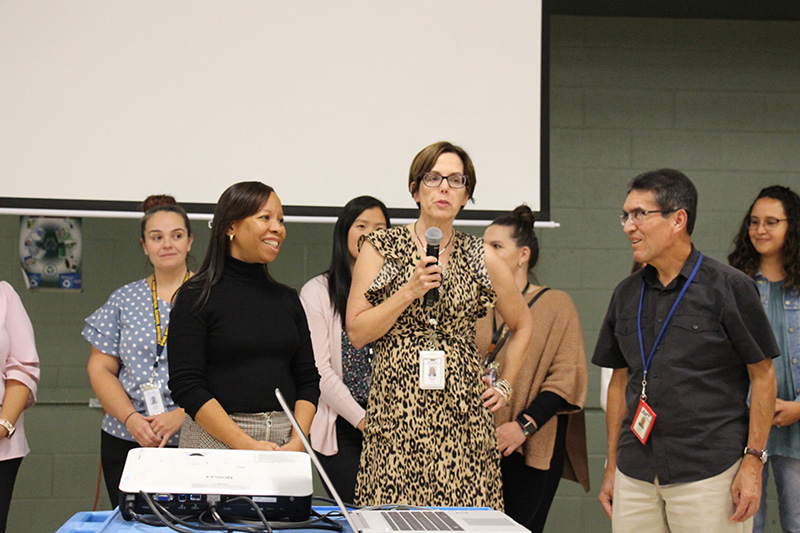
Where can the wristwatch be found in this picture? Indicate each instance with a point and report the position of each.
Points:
(528, 427)
(9, 427)
(761, 454)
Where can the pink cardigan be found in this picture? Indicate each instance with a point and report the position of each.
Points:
(326, 337)
(18, 361)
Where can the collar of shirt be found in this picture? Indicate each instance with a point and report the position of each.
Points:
(650, 273)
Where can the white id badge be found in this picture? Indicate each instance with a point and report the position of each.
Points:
(153, 399)
(431, 369)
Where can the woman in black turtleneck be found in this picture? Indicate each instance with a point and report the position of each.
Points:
(236, 334)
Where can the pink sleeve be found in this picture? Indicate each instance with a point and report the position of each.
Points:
(328, 351)
(21, 362)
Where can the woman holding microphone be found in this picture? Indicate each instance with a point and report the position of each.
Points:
(429, 437)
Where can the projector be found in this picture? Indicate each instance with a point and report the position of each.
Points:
(187, 481)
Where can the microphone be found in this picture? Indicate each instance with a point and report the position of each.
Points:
(434, 237)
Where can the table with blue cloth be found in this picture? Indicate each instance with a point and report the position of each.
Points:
(112, 522)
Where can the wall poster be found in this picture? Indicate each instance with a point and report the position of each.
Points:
(50, 252)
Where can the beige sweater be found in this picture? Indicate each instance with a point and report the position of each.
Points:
(556, 362)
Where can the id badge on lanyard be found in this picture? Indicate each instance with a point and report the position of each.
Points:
(645, 416)
(643, 421)
(432, 363)
(153, 398)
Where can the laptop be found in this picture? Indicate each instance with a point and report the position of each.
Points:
(407, 520)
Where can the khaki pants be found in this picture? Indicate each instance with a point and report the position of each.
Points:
(704, 505)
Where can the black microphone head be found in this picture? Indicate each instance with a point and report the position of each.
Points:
(433, 236)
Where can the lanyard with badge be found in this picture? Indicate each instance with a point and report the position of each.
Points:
(151, 390)
(645, 416)
(432, 360)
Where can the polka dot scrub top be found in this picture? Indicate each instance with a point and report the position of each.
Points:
(125, 327)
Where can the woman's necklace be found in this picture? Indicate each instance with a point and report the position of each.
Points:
(422, 248)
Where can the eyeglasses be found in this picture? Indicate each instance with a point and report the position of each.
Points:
(769, 222)
(637, 216)
(434, 179)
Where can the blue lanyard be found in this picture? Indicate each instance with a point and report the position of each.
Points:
(646, 364)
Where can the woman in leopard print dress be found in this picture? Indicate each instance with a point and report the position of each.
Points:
(432, 446)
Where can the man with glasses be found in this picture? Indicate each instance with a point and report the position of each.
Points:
(687, 338)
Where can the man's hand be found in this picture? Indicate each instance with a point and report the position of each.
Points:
(746, 488)
(606, 495)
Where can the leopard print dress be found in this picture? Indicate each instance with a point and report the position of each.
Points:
(430, 447)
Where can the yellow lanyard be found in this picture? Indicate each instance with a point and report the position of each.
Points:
(161, 338)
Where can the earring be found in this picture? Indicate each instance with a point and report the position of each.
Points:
(231, 237)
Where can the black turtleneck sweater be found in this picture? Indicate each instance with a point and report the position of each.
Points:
(250, 337)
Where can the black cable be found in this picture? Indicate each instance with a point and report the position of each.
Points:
(166, 518)
(320, 522)
(212, 508)
(329, 523)
(162, 520)
(163, 514)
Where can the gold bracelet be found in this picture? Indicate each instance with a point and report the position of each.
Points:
(504, 389)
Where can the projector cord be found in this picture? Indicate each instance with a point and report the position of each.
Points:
(166, 518)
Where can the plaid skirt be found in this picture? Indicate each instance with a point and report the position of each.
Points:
(273, 427)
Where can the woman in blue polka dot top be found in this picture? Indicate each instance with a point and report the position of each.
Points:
(128, 362)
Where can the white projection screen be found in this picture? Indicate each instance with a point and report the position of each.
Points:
(104, 102)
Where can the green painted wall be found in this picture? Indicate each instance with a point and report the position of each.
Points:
(716, 99)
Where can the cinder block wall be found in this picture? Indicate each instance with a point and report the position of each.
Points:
(716, 99)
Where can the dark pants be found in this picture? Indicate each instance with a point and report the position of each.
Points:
(113, 453)
(528, 492)
(343, 467)
(8, 475)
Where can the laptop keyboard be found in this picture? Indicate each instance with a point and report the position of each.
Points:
(420, 521)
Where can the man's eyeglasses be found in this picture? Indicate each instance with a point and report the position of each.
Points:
(769, 222)
(637, 216)
(434, 179)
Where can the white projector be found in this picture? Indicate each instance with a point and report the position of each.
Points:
(187, 481)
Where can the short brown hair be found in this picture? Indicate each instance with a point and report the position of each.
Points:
(426, 158)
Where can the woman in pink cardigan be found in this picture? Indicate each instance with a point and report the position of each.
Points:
(19, 366)
(336, 432)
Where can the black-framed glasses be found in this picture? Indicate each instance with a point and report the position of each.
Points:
(769, 222)
(434, 179)
(637, 216)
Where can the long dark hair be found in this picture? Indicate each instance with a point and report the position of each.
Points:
(239, 201)
(339, 272)
(521, 220)
(744, 255)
